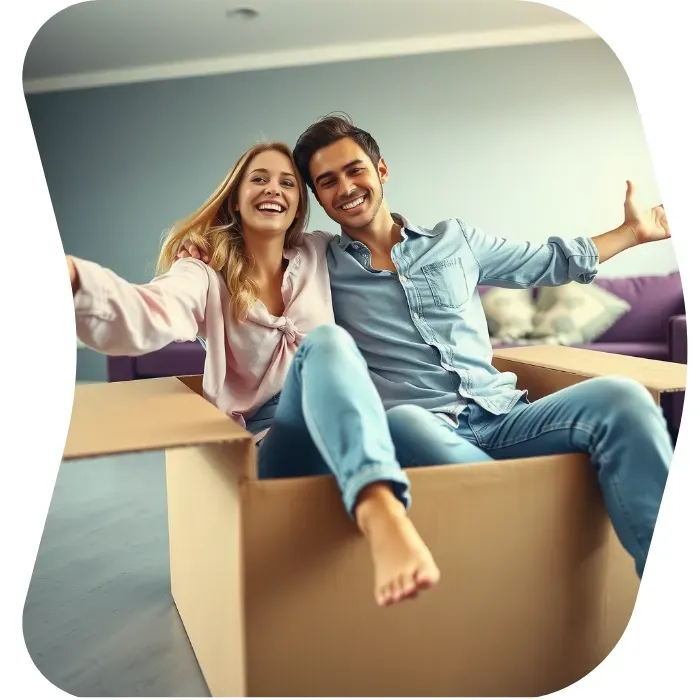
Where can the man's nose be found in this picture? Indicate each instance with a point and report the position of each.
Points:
(346, 187)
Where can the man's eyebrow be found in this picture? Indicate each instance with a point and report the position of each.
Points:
(330, 172)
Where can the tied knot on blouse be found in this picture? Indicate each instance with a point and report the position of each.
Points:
(290, 331)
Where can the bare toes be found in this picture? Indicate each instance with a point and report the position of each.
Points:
(407, 585)
(385, 595)
(427, 576)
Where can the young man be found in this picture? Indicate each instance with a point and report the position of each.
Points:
(408, 296)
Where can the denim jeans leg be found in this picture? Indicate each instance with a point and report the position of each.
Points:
(616, 422)
(330, 418)
(423, 439)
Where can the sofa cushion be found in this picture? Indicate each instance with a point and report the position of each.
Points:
(509, 312)
(576, 313)
(653, 300)
(176, 359)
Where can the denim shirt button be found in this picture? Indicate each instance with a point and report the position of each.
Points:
(416, 316)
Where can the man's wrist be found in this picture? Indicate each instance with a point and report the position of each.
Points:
(630, 232)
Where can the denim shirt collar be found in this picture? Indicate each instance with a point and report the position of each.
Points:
(346, 241)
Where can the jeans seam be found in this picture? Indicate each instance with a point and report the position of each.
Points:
(615, 491)
(322, 447)
(550, 427)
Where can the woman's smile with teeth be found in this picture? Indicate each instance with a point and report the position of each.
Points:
(354, 203)
(269, 206)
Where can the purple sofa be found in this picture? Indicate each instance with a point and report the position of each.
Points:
(177, 359)
(654, 328)
(657, 302)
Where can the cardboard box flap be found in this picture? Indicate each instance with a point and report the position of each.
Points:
(656, 375)
(143, 415)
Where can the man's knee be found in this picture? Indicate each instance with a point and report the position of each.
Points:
(622, 398)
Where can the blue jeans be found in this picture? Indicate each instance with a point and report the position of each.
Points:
(612, 419)
(329, 418)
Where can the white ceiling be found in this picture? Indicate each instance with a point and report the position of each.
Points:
(107, 42)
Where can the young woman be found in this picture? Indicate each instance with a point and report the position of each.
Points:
(276, 362)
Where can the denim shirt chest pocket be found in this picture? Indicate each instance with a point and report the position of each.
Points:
(447, 283)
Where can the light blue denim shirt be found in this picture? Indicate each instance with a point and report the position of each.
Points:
(422, 330)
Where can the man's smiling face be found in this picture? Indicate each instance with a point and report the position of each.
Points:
(346, 183)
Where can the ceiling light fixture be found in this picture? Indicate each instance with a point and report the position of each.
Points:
(242, 13)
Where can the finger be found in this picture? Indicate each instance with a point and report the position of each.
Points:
(198, 254)
(660, 220)
(193, 250)
(664, 223)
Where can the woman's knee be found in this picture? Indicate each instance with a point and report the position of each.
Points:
(329, 338)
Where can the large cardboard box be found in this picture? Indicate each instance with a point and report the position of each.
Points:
(274, 584)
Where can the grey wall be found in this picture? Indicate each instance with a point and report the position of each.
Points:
(524, 142)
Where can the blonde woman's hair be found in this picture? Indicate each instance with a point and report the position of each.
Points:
(215, 228)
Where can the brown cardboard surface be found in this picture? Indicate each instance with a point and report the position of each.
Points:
(148, 414)
(656, 375)
(274, 583)
(523, 607)
(204, 487)
(541, 381)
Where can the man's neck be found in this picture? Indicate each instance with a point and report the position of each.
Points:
(380, 235)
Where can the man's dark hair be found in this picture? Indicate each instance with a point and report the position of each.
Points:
(325, 132)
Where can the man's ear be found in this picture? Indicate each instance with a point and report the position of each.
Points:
(383, 170)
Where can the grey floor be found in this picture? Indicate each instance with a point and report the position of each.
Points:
(99, 620)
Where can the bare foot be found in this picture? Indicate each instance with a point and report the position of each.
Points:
(403, 564)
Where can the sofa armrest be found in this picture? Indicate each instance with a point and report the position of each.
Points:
(678, 339)
(677, 352)
(121, 369)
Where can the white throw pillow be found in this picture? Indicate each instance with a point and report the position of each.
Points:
(575, 313)
(509, 312)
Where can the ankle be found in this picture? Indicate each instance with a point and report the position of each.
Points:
(376, 501)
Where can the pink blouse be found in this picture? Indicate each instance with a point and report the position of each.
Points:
(246, 364)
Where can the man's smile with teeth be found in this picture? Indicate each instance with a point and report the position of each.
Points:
(354, 203)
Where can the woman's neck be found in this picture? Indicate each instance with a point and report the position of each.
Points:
(268, 254)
